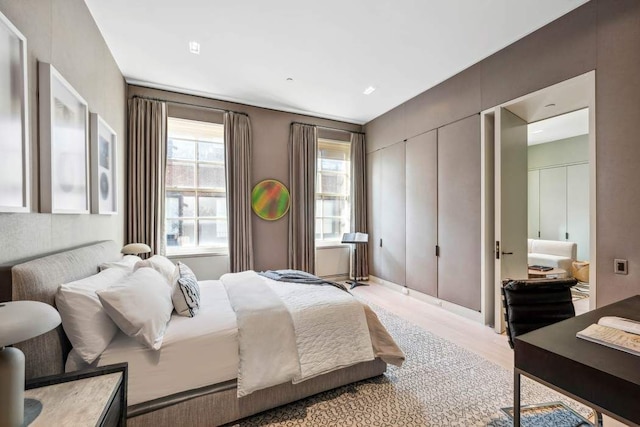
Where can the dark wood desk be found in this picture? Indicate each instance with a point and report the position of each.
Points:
(602, 378)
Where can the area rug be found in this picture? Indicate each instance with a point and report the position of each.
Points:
(440, 384)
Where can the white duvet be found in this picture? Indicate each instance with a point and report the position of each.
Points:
(327, 325)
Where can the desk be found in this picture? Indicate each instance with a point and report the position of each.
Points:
(554, 272)
(602, 378)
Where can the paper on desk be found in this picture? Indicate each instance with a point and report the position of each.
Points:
(612, 337)
(623, 324)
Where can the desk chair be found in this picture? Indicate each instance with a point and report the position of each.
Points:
(533, 304)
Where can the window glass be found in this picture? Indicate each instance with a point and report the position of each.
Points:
(333, 214)
(195, 193)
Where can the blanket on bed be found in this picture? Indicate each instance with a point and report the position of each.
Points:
(329, 329)
(297, 276)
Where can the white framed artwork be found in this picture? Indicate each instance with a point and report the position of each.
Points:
(15, 182)
(104, 178)
(64, 145)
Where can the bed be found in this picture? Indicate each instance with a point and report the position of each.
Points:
(214, 403)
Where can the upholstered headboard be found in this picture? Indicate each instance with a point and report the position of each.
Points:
(38, 280)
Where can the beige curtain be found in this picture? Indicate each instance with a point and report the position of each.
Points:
(303, 147)
(359, 201)
(147, 163)
(237, 142)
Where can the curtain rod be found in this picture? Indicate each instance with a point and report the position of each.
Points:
(188, 104)
(327, 127)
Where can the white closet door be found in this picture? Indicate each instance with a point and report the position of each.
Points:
(578, 208)
(553, 203)
(534, 204)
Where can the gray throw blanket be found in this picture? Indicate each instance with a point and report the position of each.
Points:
(297, 276)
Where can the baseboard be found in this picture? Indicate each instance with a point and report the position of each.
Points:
(465, 312)
(337, 277)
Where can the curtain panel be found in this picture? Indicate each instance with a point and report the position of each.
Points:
(237, 143)
(303, 149)
(359, 201)
(146, 166)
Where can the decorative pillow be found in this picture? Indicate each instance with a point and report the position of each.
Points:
(84, 320)
(140, 305)
(162, 265)
(186, 292)
(127, 262)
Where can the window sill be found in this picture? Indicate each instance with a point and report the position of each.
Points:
(195, 253)
(331, 245)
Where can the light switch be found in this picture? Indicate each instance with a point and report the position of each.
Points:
(620, 266)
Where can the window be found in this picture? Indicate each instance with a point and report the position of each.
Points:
(195, 193)
(333, 187)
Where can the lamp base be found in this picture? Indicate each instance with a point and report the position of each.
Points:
(11, 387)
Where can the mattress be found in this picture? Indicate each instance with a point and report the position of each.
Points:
(196, 351)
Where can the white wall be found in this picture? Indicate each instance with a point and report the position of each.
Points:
(562, 152)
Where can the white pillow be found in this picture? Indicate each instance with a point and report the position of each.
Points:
(85, 322)
(140, 305)
(162, 265)
(127, 262)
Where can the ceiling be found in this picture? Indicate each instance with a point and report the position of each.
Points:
(559, 127)
(332, 50)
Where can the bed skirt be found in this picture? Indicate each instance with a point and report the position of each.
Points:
(218, 404)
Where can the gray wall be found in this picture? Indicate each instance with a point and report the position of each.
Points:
(560, 152)
(63, 33)
(270, 129)
(602, 35)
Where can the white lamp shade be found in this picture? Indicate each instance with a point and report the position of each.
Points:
(22, 320)
(135, 249)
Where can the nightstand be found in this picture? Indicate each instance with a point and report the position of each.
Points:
(93, 397)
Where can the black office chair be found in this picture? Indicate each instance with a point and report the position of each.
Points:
(532, 304)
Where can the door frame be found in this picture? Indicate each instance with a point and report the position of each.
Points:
(490, 292)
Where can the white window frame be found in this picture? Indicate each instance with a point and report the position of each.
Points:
(346, 145)
(178, 251)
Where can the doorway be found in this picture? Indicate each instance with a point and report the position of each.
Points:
(511, 221)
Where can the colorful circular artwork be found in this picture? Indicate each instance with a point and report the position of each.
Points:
(270, 199)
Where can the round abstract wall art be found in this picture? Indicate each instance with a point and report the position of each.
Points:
(270, 199)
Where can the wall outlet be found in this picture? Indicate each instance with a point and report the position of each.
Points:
(405, 291)
(620, 266)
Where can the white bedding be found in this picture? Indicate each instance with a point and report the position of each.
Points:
(326, 327)
(196, 351)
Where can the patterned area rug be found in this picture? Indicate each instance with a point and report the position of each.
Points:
(440, 384)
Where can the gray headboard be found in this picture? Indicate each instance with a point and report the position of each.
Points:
(38, 280)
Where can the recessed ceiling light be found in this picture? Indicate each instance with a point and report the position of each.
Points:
(549, 105)
(538, 131)
(194, 47)
(369, 90)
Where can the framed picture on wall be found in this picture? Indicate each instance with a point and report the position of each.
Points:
(64, 145)
(104, 184)
(15, 186)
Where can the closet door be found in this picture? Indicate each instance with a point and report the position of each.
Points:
(534, 204)
(553, 203)
(459, 212)
(578, 208)
(374, 195)
(393, 210)
(422, 212)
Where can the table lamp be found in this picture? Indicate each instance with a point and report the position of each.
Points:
(19, 321)
(136, 249)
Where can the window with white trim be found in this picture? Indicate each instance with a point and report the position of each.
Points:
(333, 187)
(195, 192)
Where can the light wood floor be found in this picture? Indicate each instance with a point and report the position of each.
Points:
(471, 335)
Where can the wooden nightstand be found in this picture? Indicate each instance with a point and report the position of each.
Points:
(93, 397)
